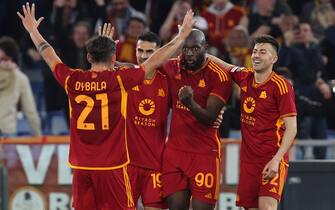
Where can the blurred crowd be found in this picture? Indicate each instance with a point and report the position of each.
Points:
(305, 29)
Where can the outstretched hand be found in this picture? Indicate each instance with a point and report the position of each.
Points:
(188, 22)
(107, 31)
(28, 18)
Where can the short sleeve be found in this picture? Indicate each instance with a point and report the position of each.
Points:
(131, 76)
(238, 74)
(222, 83)
(285, 98)
(61, 72)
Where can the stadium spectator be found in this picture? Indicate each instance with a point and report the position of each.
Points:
(318, 14)
(15, 91)
(328, 50)
(119, 13)
(264, 20)
(98, 100)
(238, 53)
(221, 16)
(72, 47)
(126, 48)
(311, 84)
(175, 17)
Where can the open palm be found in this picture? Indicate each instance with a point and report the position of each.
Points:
(28, 18)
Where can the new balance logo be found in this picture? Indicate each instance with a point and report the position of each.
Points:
(273, 190)
(201, 83)
(136, 88)
(209, 195)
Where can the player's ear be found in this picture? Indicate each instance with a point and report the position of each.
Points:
(275, 58)
(113, 58)
(89, 58)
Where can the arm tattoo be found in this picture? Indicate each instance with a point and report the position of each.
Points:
(42, 46)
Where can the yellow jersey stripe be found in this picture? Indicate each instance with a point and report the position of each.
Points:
(279, 86)
(124, 96)
(282, 177)
(282, 82)
(220, 76)
(216, 69)
(124, 99)
(128, 187)
(279, 123)
(67, 93)
(220, 69)
(217, 181)
(248, 70)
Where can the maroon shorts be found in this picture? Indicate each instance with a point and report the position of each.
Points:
(198, 173)
(251, 185)
(102, 190)
(147, 184)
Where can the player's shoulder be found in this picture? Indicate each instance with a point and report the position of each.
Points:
(127, 67)
(160, 73)
(215, 69)
(281, 84)
(174, 61)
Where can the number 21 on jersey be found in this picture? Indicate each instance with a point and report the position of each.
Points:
(81, 122)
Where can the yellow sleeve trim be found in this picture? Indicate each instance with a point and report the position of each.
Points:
(98, 168)
(220, 97)
(289, 115)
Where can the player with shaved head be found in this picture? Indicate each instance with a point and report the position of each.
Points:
(199, 89)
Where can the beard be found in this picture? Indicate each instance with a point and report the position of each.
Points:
(197, 63)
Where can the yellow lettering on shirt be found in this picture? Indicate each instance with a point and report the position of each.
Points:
(90, 86)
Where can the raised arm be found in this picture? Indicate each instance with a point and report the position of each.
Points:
(168, 50)
(222, 63)
(31, 24)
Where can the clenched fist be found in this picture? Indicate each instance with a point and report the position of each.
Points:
(185, 95)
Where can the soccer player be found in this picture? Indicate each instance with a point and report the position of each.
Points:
(268, 126)
(148, 107)
(199, 89)
(98, 102)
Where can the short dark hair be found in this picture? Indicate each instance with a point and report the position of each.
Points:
(101, 48)
(267, 39)
(150, 37)
(10, 47)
